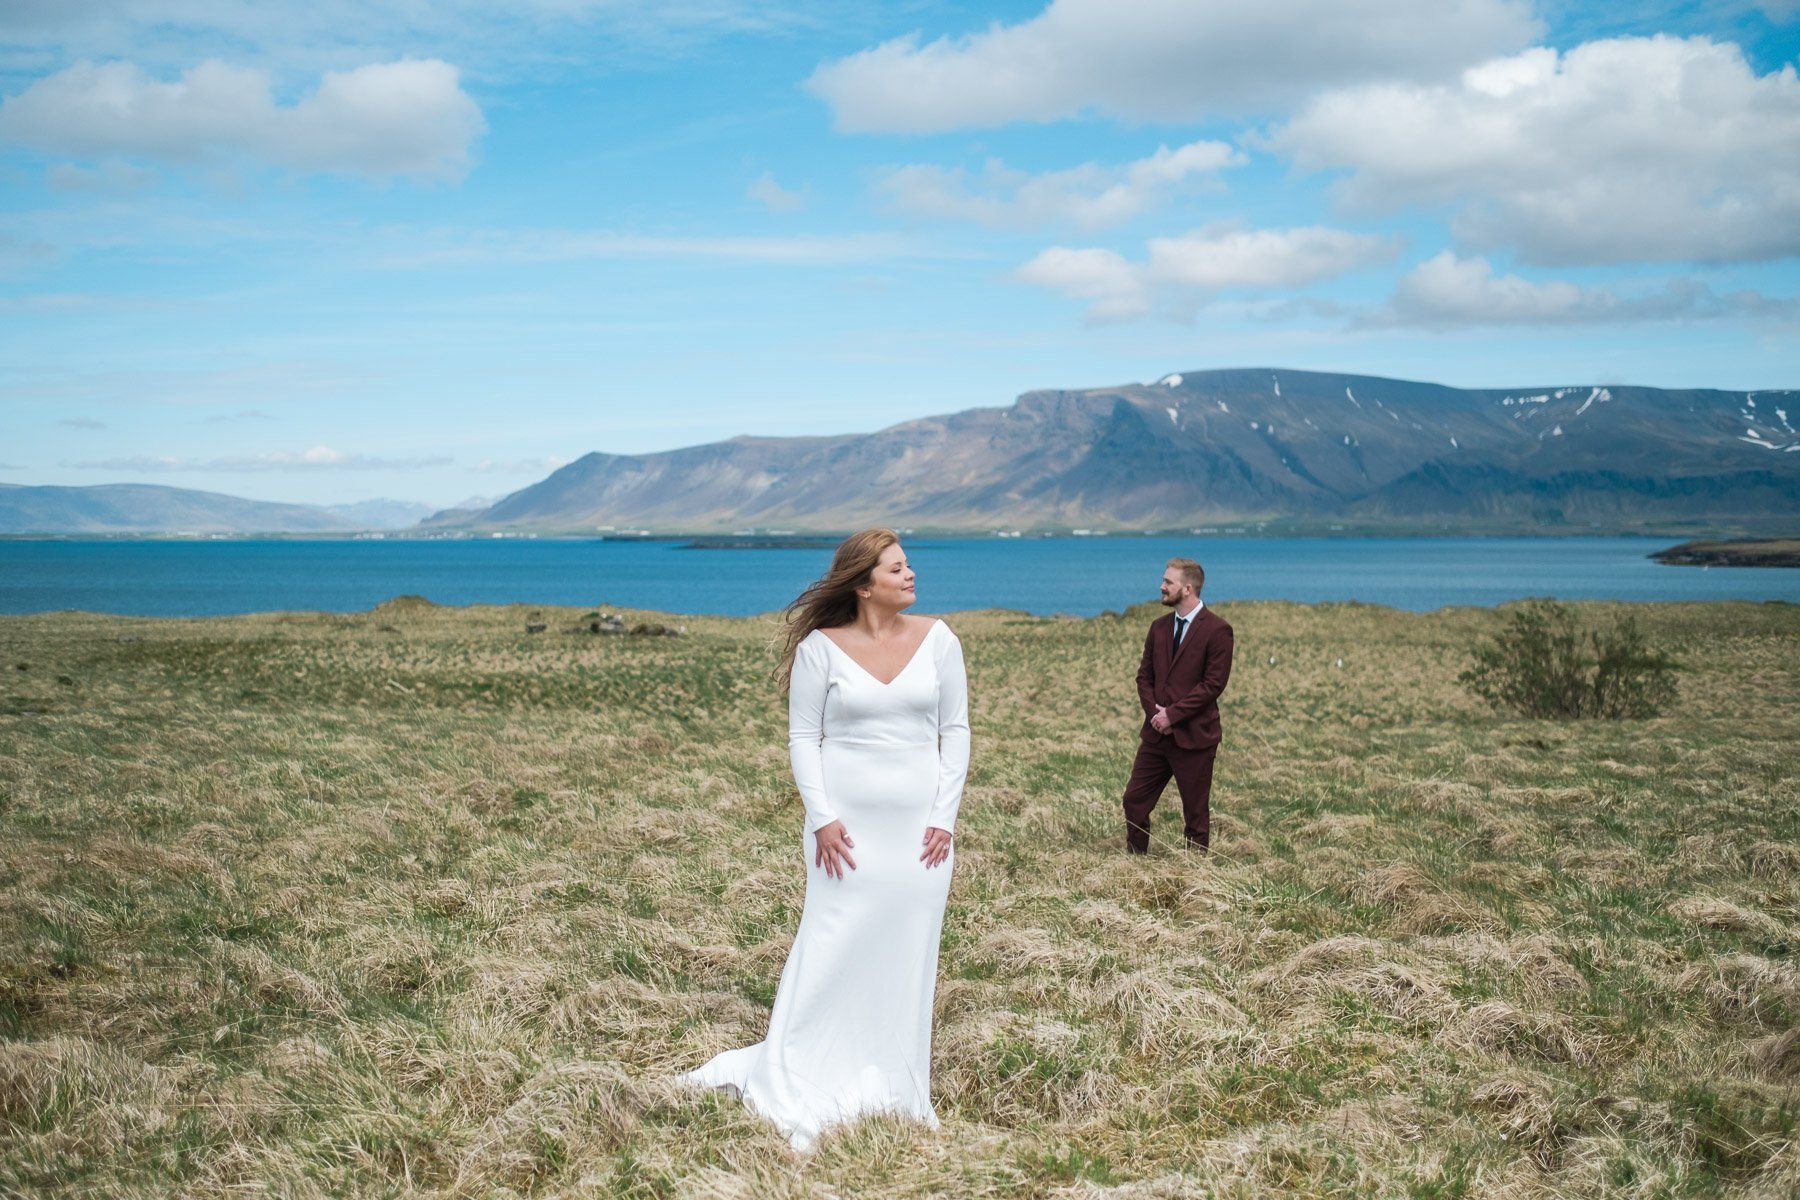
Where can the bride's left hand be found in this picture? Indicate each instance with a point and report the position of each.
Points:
(937, 846)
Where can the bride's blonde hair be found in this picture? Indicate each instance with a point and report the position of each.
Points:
(831, 599)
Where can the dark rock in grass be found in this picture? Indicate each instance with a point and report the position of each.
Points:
(602, 625)
(653, 629)
(535, 627)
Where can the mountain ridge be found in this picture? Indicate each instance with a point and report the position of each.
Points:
(1291, 450)
(1204, 447)
(149, 509)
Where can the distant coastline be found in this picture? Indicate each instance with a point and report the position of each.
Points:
(1742, 552)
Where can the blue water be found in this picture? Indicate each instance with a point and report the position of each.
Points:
(1042, 575)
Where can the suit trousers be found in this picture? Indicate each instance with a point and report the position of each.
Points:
(1156, 761)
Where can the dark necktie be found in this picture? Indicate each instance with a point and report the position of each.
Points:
(1180, 628)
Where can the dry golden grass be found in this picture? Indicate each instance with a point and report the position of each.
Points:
(414, 903)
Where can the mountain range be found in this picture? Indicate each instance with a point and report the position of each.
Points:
(147, 508)
(1208, 447)
(1288, 449)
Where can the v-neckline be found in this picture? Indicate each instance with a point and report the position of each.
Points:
(903, 670)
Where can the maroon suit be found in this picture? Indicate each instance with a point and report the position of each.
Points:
(1186, 680)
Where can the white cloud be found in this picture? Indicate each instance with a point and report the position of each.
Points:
(1629, 149)
(406, 118)
(772, 196)
(1180, 273)
(318, 458)
(81, 423)
(1447, 291)
(1116, 288)
(1089, 196)
(1160, 59)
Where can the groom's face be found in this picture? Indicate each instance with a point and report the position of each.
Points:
(1174, 589)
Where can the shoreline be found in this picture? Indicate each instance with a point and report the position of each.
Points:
(1740, 552)
(420, 604)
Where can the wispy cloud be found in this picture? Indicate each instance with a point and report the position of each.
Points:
(107, 179)
(1451, 292)
(520, 466)
(323, 34)
(81, 423)
(319, 458)
(772, 196)
(48, 302)
(568, 245)
(1089, 196)
(74, 384)
(24, 253)
(248, 414)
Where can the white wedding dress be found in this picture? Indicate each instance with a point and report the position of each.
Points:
(850, 1031)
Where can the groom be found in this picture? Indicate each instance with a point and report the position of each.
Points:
(1187, 658)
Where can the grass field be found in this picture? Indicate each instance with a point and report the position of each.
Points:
(413, 902)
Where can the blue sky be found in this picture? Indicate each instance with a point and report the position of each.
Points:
(344, 250)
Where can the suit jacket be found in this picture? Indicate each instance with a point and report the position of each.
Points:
(1187, 679)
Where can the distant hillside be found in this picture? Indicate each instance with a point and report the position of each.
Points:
(1207, 447)
(148, 508)
(380, 514)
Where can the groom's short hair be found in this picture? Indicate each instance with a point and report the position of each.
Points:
(1188, 571)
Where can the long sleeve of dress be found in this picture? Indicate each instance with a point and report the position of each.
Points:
(953, 733)
(806, 729)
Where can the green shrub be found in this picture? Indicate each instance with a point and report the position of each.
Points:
(1544, 664)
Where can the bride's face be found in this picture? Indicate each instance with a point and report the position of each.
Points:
(891, 582)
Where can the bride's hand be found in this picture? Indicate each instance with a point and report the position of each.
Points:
(830, 841)
(937, 846)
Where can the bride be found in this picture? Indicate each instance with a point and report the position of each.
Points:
(878, 736)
